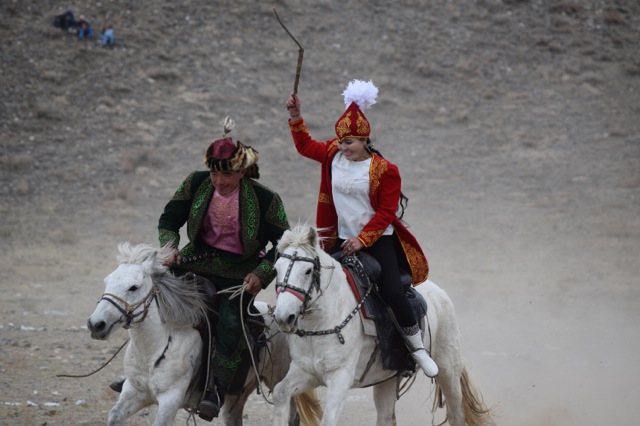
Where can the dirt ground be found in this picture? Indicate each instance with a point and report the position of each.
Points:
(515, 124)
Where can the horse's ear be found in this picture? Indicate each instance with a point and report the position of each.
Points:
(312, 236)
(149, 261)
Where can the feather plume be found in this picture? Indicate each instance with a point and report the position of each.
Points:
(229, 125)
(363, 93)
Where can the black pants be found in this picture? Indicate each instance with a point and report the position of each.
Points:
(390, 288)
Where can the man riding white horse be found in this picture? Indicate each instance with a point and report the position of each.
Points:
(231, 219)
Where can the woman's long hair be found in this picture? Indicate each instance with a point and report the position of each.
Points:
(404, 200)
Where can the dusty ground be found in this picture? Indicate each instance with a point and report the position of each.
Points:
(516, 126)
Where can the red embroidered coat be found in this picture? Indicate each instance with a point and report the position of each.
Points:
(384, 194)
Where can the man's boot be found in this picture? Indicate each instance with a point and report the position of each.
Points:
(413, 339)
(211, 403)
(116, 385)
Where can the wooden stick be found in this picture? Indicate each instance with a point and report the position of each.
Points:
(300, 52)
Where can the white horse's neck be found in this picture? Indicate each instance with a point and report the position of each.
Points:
(336, 300)
(151, 333)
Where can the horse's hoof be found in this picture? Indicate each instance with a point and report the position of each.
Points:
(116, 385)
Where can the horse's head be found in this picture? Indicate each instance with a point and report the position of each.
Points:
(298, 275)
(129, 289)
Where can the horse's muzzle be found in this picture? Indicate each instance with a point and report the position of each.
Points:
(99, 330)
(288, 323)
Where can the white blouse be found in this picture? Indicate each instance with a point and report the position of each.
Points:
(350, 186)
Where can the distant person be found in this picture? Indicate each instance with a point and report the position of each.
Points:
(66, 21)
(84, 28)
(107, 38)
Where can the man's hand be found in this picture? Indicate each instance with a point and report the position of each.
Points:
(252, 283)
(174, 258)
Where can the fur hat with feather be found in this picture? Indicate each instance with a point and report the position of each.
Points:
(225, 155)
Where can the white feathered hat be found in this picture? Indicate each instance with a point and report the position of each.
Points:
(358, 96)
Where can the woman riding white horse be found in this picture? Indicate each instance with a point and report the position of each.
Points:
(164, 352)
(360, 193)
(317, 309)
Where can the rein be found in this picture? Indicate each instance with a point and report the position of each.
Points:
(129, 309)
(77, 376)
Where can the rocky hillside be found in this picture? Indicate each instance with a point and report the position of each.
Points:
(87, 129)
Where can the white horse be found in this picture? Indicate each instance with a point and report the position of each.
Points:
(328, 347)
(162, 359)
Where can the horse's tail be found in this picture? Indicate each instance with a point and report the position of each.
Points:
(476, 413)
(309, 408)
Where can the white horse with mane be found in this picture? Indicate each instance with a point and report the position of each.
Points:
(162, 359)
(316, 307)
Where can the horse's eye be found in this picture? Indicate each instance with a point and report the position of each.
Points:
(308, 272)
(133, 288)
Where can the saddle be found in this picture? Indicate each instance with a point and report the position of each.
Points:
(363, 274)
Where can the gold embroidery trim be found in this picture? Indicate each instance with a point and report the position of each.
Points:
(378, 168)
(363, 125)
(299, 127)
(324, 198)
(342, 128)
(370, 237)
(417, 262)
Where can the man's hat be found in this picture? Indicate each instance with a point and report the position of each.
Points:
(358, 96)
(225, 155)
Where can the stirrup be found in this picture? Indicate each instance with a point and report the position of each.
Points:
(210, 406)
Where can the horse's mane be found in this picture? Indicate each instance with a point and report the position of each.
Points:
(180, 301)
(303, 236)
(137, 254)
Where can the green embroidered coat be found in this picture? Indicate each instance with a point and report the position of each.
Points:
(262, 220)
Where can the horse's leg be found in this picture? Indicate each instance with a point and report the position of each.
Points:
(384, 397)
(450, 384)
(131, 401)
(293, 418)
(450, 365)
(295, 382)
(338, 385)
(233, 408)
(169, 402)
(231, 412)
(445, 350)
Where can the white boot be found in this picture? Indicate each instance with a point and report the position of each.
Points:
(413, 340)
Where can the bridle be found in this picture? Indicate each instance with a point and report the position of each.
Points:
(128, 311)
(303, 295)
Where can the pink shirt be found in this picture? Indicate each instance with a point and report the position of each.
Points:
(221, 225)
